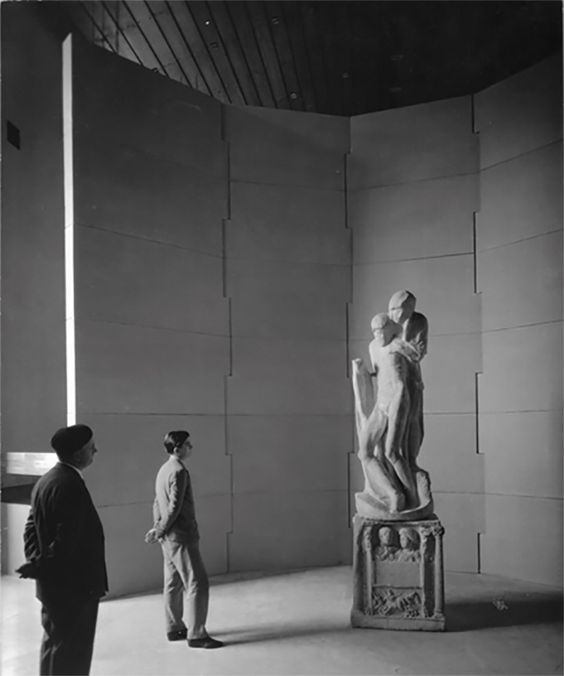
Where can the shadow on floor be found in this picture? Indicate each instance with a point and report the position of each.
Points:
(276, 633)
(500, 612)
(229, 578)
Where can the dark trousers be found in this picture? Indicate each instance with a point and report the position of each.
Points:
(69, 625)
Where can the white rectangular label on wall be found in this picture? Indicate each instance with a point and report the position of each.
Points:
(34, 464)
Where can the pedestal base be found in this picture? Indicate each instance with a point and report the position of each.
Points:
(398, 575)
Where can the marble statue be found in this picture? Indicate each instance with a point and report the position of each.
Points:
(389, 415)
(398, 541)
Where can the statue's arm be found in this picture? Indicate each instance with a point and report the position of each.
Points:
(372, 350)
(363, 391)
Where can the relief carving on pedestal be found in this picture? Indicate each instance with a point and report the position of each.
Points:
(393, 602)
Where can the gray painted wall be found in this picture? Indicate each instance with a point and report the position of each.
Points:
(151, 319)
(493, 296)
(33, 303)
(33, 402)
(247, 351)
(288, 280)
(519, 252)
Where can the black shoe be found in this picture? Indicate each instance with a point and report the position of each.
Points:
(179, 635)
(206, 642)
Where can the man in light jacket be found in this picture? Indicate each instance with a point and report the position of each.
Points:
(175, 527)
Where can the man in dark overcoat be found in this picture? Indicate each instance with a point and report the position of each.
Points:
(64, 550)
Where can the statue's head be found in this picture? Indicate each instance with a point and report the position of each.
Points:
(384, 329)
(386, 536)
(409, 539)
(401, 306)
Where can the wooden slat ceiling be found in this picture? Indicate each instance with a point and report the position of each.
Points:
(339, 58)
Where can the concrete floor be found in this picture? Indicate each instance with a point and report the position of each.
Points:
(297, 623)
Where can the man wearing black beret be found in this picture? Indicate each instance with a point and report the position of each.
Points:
(64, 550)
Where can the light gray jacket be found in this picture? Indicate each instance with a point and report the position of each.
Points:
(174, 516)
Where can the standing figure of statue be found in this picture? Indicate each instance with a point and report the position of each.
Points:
(414, 332)
(389, 420)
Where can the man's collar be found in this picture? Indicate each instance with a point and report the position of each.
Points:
(75, 468)
(179, 461)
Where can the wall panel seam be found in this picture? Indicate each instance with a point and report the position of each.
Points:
(278, 415)
(284, 184)
(168, 329)
(520, 411)
(505, 245)
(469, 412)
(109, 505)
(427, 179)
(304, 491)
(144, 238)
(477, 375)
(456, 334)
(197, 169)
(102, 505)
(167, 414)
(289, 261)
(285, 339)
(415, 258)
(548, 498)
(445, 492)
(473, 117)
(516, 327)
(475, 251)
(488, 167)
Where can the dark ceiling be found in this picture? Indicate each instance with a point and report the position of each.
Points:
(340, 58)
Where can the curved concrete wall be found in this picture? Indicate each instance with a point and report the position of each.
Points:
(212, 275)
(152, 335)
(288, 281)
(491, 286)
(520, 278)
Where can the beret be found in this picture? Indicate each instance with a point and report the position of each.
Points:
(67, 440)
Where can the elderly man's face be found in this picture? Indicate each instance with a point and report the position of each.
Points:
(85, 456)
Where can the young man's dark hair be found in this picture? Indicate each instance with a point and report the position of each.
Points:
(175, 439)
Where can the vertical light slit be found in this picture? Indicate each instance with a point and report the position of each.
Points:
(70, 329)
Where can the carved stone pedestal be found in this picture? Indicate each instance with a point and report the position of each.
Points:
(398, 574)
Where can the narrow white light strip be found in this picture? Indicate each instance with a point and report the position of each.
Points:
(69, 231)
